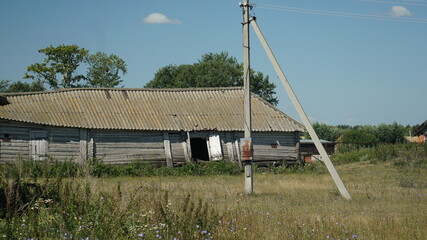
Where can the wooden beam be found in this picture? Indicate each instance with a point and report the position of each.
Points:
(186, 146)
(229, 144)
(168, 152)
(237, 149)
(83, 145)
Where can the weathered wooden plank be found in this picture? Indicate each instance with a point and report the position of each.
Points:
(167, 148)
(278, 155)
(64, 148)
(63, 139)
(65, 159)
(14, 144)
(273, 141)
(130, 158)
(271, 157)
(56, 155)
(264, 157)
(186, 147)
(91, 148)
(128, 135)
(177, 149)
(137, 149)
(83, 148)
(101, 146)
(124, 142)
(118, 161)
(14, 154)
(130, 145)
(14, 149)
(273, 150)
(137, 134)
(136, 152)
(131, 151)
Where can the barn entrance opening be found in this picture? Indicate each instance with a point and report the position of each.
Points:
(199, 149)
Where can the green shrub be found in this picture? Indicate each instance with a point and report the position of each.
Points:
(402, 155)
(48, 168)
(222, 167)
(411, 155)
(24, 182)
(357, 155)
(142, 168)
(384, 152)
(78, 213)
(355, 139)
(312, 167)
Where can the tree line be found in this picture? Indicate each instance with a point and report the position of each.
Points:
(213, 70)
(62, 67)
(364, 134)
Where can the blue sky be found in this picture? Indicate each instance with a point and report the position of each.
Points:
(349, 61)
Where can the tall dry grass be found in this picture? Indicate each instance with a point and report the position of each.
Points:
(389, 201)
(306, 206)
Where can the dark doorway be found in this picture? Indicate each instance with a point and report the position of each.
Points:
(199, 149)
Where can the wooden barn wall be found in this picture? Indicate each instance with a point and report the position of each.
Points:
(273, 146)
(64, 143)
(115, 146)
(178, 145)
(268, 146)
(15, 140)
(230, 146)
(112, 146)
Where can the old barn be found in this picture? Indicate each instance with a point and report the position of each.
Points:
(161, 126)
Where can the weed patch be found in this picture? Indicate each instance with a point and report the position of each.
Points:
(200, 202)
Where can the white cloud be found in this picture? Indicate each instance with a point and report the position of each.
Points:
(159, 18)
(399, 11)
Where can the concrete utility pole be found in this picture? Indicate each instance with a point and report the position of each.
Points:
(247, 161)
(301, 113)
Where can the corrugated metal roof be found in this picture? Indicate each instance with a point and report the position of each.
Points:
(146, 109)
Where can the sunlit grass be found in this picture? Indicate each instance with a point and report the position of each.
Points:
(389, 201)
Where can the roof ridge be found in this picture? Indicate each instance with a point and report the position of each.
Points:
(125, 89)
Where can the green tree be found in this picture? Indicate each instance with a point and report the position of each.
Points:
(104, 70)
(355, 139)
(19, 86)
(393, 133)
(59, 67)
(213, 70)
(326, 132)
(4, 84)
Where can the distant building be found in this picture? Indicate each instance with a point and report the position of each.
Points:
(159, 126)
(421, 132)
(309, 153)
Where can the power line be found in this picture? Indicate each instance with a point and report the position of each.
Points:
(422, 1)
(414, 3)
(341, 14)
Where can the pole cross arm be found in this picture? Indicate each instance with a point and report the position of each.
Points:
(300, 111)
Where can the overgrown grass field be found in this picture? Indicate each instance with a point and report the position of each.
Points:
(388, 186)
